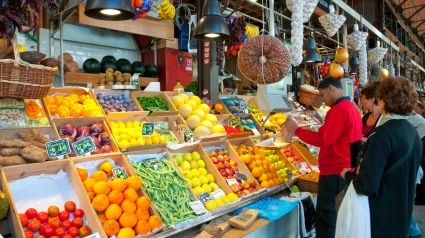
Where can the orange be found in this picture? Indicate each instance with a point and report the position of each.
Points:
(281, 180)
(269, 175)
(88, 184)
(142, 214)
(252, 165)
(106, 167)
(258, 157)
(126, 233)
(109, 182)
(131, 194)
(91, 195)
(128, 219)
(265, 184)
(256, 172)
(276, 181)
(115, 197)
(218, 107)
(263, 178)
(82, 173)
(102, 218)
(155, 222)
(137, 3)
(273, 170)
(113, 212)
(272, 183)
(99, 176)
(242, 146)
(100, 202)
(143, 202)
(111, 227)
(128, 206)
(118, 184)
(259, 163)
(142, 228)
(240, 150)
(134, 182)
(101, 187)
(266, 163)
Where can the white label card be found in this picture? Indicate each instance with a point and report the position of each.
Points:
(198, 207)
(255, 131)
(95, 235)
(218, 193)
(315, 168)
(232, 181)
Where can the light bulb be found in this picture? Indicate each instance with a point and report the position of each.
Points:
(110, 12)
(212, 35)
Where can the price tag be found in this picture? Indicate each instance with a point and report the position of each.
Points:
(289, 173)
(188, 133)
(315, 168)
(134, 80)
(255, 131)
(152, 163)
(95, 235)
(58, 148)
(218, 193)
(120, 173)
(234, 122)
(84, 146)
(148, 128)
(205, 197)
(155, 109)
(198, 207)
(243, 105)
(296, 165)
(232, 181)
(242, 177)
(246, 152)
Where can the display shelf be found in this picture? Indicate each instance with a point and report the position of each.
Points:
(132, 98)
(171, 112)
(80, 78)
(145, 81)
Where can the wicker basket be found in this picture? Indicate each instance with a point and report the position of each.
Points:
(310, 97)
(19, 79)
(307, 185)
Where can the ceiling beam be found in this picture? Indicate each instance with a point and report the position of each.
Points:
(413, 7)
(416, 27)
(416, 12)
(400, 5)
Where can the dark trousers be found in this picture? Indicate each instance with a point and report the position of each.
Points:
(420, 190)
(329, 187)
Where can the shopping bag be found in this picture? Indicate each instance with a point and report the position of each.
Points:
(353, 216)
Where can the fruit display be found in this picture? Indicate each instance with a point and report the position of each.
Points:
(313, 176)
(233, 130)
(275, 121)
(114, 77)
(168, 191)
(180, 128)
(54, 222)
(248, 124)
(153, 104)
(236, 105)
(256, 113)
(115, 102)
(166, 10)
(275, 161)
(295, 160)
(72, 105)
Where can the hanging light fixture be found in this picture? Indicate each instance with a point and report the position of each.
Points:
(212, 25)
(354, 63)
(311, 54)
(110, 10)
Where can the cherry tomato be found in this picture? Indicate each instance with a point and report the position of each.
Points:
(47, 230)
(43, 217)
(53, 211)
(34, 225)
(29, 234)
(55, 222)
(31, 213)
(78, 213)
(67, 236)
(24, 219)
(70, 206)
(40, 236)
(77, 222)
(54, 237)
(73, 231)
(66, 224)
(64, 215)
(85, 231)
(60, 231)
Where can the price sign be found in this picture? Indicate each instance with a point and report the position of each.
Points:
(243, 105)
(120, 173)
(95, 235)
(198, 207)
(58, 148)
(205, 197)
(315, 168)
(151, 163)
(246, 152)
(234, 122)
(155, 109)
(232, 181)
(296, 165)
(148, 128)
(255, 131)
(242, 177)
(289, 173)
(218, 193)
(84, 146)
(188, 133)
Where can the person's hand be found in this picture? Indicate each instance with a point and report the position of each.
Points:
(344, 171)
(290, 125)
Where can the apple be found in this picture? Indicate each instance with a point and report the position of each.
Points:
(252, 190)
(219, 152)
(212, 153)
(246, 192)
(214, 160)
(245, 185)
(240, 194)
(217, 166)
(234, 168)
(223, 173)
(229, 176)
(227, 158)
(220, 158)
(225, 151)
(234, 187)
(227, 165)
(234, 176)
(232, 163)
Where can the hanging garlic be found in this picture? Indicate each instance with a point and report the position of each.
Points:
(308, 8)
(363, 64)
(297, 30)
(331, 21)
(356, 39)
(378, 53)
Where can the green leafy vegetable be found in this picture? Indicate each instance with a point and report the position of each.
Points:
(152, 102)
(192, 87)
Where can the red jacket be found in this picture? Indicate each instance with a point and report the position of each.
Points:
(342, 127)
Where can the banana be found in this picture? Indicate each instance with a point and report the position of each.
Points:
(167, 10)
(165, 7)
(163, 3)
(172, 14)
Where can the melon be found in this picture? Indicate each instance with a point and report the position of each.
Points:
(185, 110)
(212, 118)
(193, 121)
(184, 96)
(207, 124)
(192, 104)
(201, 131)
(177, 101)
(195, 99)
(205, 108)
(199, 113)
(219, 129)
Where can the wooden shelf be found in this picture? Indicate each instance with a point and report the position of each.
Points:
(144, 81)
(80, 78)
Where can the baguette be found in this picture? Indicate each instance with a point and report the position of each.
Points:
(12, 160)
(9, 151)
(33, 154)
(9, 143)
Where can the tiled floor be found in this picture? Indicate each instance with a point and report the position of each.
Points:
(419, 214)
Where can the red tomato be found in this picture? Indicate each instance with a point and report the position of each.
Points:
(29, 234)
(70, 206)
(47, 230)
(31, 213)
(85, 231)
(79, 213)
(73, 231)
(77, 222)
(64, 215)
(60, 231)
(24, 219)
(55, 222)
(54, 237)
(34, 225)
(40, 236)
(53, 211)
(67, 236)
(43, 217)
(66, 224)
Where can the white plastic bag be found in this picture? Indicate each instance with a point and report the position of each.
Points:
(353, 216)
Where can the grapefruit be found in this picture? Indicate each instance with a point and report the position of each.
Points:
(185, 110)
(184, 96)
(205, 108)
(201, 131)
(207, 124)
(195, 99)
(212, 118)
(219, 129)
(193, 121)
(177, 101)
(192, 104)
(199, 113)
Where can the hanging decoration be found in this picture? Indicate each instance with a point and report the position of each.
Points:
(308, 8)
(142, 8)
(374, 71)
(356, 39)
(384, 73)
(341, 55)
(332, 21)
(237, 28)
(166, 10)
(297, 32)
(363, 64)
(378, 53)
(264, 59)
(252, 31)
(336, 70)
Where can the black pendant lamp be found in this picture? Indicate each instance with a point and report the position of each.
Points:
(110, 10)
(354, 63)
(212, 26)
(311, 55)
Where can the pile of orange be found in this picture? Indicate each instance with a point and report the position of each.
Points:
(72, 105)
(117, 202)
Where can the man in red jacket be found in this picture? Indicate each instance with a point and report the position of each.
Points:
(339, 140)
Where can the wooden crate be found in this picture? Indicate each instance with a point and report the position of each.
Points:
(171, 94)
(300, 156)
(12, 133)
(132, 98)
(145, 81)
(171, 112)
(80, 78)
(305, 153)
(168, 120)
(84, 121)
(10, 174)
(174, 44)
(280, 154)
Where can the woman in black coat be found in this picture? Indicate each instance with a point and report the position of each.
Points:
(390, 162)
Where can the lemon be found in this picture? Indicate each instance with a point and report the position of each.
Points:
(163, 140)
(113, 124)
(115, 130)
(134, 134)
(125, 137)
(195, 173)
(189, 182)
(188, 174)
(198, 190)
(202, 171)
(213, 187)
(122, 130)
(196, 182)
(136, 123)
(128, 124)
(219, 202)
(187, 156)
(155, 140)
(210, 205)
(233, 197)
(121, 124)
(203, 179)
(196, 155)
(123, 144)
(210, 178)
(225, 200)
(206, 188)
(133, 142)
(140, 141)
(148, 141)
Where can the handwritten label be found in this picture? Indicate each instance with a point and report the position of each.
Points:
(188, 133)
(242, 177)
(205, 197)
(152, 163)
(120, 173)
(95, 235)
(289, 173)
(84, 146)
(232, 181)
(296, 165)
(155, 109)
(58, 148)
(198, 207)
(218, 193)
(234, 121)
(315, 168)
(148, 128)
(134, 80)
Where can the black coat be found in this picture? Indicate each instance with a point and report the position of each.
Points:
(364, 121)
(391, 196)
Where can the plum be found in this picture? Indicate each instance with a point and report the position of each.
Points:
(83, 131)
(106, 149)
(96, 151)
(96, 128)
(104, 138)
(68, 129)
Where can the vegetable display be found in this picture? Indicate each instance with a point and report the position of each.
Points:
(152, 102)
(167, 190)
